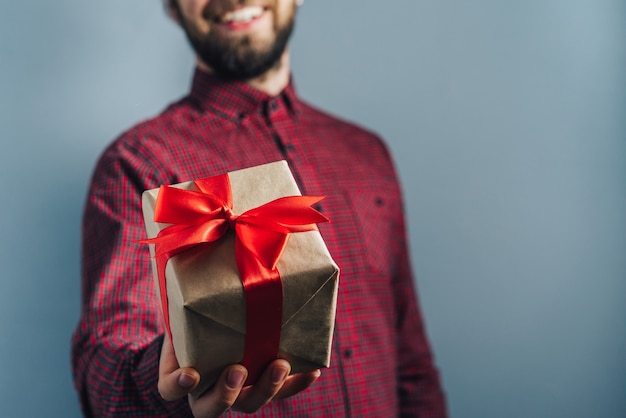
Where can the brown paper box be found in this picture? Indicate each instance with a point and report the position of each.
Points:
(205, 293)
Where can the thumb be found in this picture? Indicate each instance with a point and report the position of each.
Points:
(174, 382)
(178, 383)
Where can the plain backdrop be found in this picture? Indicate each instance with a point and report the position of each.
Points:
(507, 122)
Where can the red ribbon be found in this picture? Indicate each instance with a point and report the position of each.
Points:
(261, 234)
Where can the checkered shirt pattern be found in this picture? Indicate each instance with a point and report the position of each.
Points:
(382, 364)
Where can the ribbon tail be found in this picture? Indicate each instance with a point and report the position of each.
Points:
(265, 245)
(161, 261)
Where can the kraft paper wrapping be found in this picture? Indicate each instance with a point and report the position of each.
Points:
(205, 293)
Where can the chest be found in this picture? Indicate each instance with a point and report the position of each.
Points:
(360, 199)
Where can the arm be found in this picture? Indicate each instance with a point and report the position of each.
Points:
(419, 387)
(122, 364)
(117, 343)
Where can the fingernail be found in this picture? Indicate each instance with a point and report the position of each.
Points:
(278, 375)
(186, 380)
(235, 378)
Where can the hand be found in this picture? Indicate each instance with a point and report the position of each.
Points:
(228, 392)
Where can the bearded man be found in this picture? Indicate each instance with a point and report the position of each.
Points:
(243, 111)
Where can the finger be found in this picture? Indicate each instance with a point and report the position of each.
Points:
(222, 395)
(174, 382)
(297, 383)
(254, 397)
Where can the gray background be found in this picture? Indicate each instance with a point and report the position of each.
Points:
(507, 122)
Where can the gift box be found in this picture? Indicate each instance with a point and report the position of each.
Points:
(214, 289)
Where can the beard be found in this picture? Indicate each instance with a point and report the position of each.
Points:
(240, 59)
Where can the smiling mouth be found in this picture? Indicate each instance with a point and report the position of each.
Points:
(241, 15)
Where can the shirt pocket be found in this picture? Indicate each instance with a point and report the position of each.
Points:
(374, 220)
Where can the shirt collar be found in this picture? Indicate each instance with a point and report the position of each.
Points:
(236, 99)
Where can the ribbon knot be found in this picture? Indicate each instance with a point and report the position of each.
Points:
(230, 216)
(203, 216)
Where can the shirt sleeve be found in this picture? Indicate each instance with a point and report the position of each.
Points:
(116, 345)
(419, 387)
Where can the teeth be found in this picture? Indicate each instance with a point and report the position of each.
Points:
(245, 14)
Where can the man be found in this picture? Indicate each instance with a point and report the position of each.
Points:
(243, 111)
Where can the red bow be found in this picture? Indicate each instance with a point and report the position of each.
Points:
(261, 234)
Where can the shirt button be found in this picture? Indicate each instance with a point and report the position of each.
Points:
(289, 147)
(273, 105)
(347, 353)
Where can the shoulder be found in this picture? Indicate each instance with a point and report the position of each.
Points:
(313, 115)
(157, 130)
(358, 146)
(140, 152)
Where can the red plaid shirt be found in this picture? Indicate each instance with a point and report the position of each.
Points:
(381, 365)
